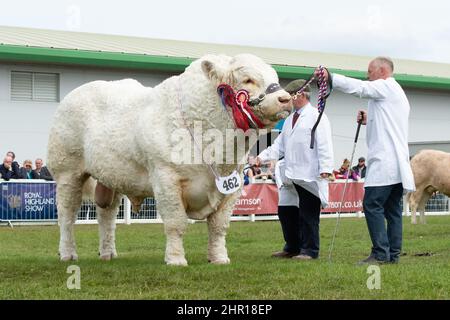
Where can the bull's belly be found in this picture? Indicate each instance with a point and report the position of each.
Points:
(137, 186)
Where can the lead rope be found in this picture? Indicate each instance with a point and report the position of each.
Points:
(321, 98)
(321, 101)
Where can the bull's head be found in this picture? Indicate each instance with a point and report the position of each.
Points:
(269, 102)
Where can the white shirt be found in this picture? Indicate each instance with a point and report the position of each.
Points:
(387, 130)
(303, 164)
(287, 195)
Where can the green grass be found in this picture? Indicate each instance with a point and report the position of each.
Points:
(30, 269)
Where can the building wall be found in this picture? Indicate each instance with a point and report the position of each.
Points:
(24, 126)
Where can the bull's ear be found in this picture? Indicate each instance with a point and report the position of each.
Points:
(212, 71)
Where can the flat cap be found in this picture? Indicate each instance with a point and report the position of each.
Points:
(293, 86)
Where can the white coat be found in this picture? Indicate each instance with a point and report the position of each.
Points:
(387, 130)
(287, 195)
(303, 164)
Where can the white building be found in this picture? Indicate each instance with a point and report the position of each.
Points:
(39, 67)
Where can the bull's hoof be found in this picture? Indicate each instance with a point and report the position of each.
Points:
(108, 256)
(68, 257)
(177, 262)
(220, 261)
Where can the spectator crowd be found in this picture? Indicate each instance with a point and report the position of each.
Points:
(10, 169)
(254, 173)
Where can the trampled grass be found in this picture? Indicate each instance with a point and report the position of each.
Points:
(30, 269)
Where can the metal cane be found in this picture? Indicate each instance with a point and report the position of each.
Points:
(345, 187)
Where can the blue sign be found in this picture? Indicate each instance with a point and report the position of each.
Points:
(28, 201)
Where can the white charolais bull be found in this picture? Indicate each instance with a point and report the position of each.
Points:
(120, 133)
(431, 174)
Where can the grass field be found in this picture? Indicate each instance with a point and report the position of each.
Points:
(30, 269)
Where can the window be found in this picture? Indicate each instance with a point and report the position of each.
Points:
(34, 86)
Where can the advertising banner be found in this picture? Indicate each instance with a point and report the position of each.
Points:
(27, 201)
(257, 198)
(262, 198)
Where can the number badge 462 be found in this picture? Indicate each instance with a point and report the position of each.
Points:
(229, 184)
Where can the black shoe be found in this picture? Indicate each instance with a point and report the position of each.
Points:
(393, 261)
(283, 254)
(371, 260)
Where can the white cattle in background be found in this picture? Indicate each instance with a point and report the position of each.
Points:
(431, 170)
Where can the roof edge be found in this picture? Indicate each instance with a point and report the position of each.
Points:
(117, 60)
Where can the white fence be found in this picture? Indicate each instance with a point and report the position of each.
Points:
(437, 205)
(33, 202)
(147, 213)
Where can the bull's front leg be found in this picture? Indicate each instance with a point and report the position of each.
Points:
(168, 195)
(218, 223)
(175, 229)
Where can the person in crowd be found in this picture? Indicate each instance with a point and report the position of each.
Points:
(389, 172)
(343, 171)
(8, 170)
(360, 168)
(41, 171)
(26, 172)
(308, 169)
(267, 171)
(14, 165)
(251, 170)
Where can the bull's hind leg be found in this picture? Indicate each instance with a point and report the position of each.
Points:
(414, 199)
(68, 197)
(423, 201)
(106, 218)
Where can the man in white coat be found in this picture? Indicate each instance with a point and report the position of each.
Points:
(389, 172)
(307, 168)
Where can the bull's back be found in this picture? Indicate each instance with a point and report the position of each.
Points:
(88, 116)
(430, 167)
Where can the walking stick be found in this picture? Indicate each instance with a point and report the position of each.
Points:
(345, 187)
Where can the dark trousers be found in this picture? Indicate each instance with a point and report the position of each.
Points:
(290, 224)
(382, 203)
(309, 217)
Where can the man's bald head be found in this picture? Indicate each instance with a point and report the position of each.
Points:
(386, 62)
(380, 68)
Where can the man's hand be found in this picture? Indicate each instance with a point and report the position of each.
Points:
(362, 115)
(325, 74)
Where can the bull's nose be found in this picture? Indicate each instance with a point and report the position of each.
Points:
(284, 99)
